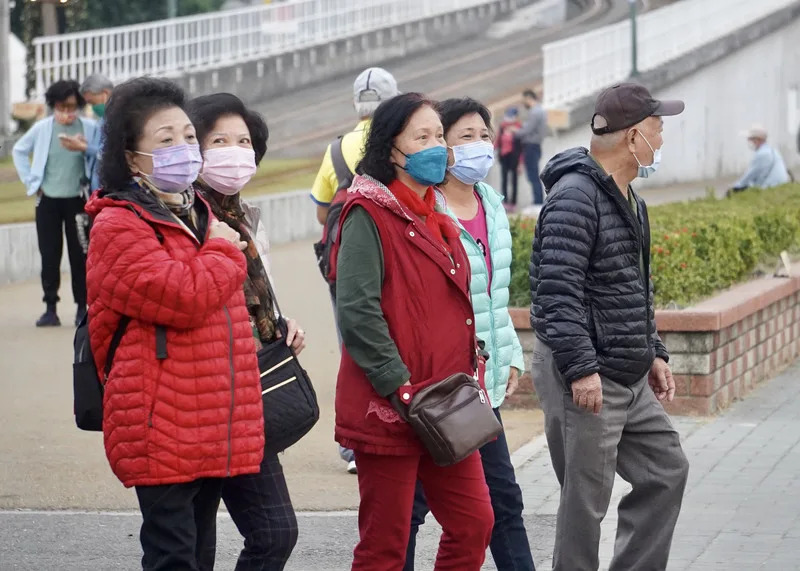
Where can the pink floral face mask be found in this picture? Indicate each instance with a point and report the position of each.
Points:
(228, 169)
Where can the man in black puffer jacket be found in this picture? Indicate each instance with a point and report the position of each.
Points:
(599, 366)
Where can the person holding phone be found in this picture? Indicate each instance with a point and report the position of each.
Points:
(56, 175)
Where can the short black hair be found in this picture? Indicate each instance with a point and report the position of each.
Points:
(390, 118)
(530, 93)
(451, 110)
(206, 110)
(130, 106)
(62, 90)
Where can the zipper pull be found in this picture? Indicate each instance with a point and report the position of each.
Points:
(482, 396)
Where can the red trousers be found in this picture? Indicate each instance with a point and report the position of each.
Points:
(458, 498)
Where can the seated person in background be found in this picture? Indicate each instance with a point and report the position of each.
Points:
(767, 168)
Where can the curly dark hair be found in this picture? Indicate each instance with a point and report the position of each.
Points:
(206, 110)
(390, 118)
(62, 90)
(130, 106)
(451, 110)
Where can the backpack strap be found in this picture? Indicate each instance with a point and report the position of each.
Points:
(161, 331)
(343, 173)
(112, 347)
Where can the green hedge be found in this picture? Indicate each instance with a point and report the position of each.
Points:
(698, 247)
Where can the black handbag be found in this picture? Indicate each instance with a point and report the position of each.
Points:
(290, 403)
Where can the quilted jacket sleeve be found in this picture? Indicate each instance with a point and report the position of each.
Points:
(140, 279)
(661, 349)
(655, 338)
(567, 229)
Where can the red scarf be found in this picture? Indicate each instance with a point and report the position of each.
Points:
(438, 223)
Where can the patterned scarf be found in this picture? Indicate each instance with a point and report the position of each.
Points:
(179, 203)
(257, 294)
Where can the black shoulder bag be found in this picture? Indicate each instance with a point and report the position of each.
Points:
(290, 403)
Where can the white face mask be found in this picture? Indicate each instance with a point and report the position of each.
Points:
(646, 170)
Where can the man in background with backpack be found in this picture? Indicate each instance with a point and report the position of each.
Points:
(372, 86)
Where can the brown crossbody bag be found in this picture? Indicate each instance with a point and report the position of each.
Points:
(453, 418)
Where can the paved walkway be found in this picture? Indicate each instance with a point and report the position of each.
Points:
(741, 511)
(742, 505)
(47, 463)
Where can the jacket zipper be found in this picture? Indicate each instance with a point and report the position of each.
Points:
(489, 285)
(637, 227)
(233, 387)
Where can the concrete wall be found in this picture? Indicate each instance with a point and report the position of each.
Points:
(258, 80)
(726, 90)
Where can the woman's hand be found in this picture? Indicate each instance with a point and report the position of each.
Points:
(221, 230)
(513, 382)
(296, 337)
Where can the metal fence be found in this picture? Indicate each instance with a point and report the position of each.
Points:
(170, 47)
(579, 66)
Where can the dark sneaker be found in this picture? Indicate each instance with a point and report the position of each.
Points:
(48, 319)
(80, 314)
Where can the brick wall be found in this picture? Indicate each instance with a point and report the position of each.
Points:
(713, 368)
(719, 349)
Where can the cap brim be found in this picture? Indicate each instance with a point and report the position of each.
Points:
(669, 108)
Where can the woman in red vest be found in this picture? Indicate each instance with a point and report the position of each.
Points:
(403, 307)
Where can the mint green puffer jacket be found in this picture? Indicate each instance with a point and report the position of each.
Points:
(492, 320)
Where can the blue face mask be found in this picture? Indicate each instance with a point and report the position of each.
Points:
(427, 166)
(646, 170)
(472, 161)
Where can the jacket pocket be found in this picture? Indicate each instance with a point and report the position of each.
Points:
(595, 328)
(592, 322)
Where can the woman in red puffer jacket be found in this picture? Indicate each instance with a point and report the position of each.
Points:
(182, 404)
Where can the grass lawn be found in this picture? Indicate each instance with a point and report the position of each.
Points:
(278, 175)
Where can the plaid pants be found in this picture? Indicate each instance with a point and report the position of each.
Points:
(262, 510)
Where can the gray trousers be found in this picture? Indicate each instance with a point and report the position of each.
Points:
(633, 437)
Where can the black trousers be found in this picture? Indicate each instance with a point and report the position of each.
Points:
(509, 544)
(262, 510)
(55, 217)
(179, 525)
(508, 174)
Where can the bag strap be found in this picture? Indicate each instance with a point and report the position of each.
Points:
(283, 327)
(112, 347)
(343, 173)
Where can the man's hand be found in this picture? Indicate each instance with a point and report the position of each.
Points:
(661, 381)
(513, 382)
(587, 393)
(77, 143)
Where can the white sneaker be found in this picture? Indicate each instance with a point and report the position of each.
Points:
(351, 467)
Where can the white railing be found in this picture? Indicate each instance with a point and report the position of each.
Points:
(579, 66)
(171, 47)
